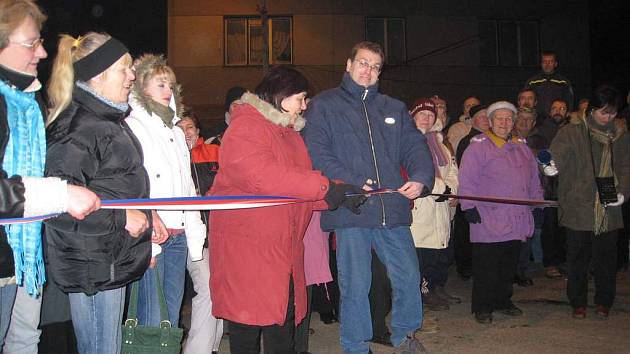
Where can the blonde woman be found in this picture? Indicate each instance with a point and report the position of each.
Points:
(90, 145)
(155, 104)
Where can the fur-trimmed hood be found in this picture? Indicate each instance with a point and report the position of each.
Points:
(143, 66)
(271, 113)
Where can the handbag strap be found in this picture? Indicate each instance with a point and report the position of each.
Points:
(132, 312)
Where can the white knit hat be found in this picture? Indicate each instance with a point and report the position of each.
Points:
(500, 105)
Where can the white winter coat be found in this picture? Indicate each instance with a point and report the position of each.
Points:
(167, 161)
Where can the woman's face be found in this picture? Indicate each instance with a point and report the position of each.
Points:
(502, 122)
(115, 82)
(424, 120)
(190, 131)
(159, 88)
(294, 104)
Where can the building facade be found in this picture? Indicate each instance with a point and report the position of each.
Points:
(452, 48)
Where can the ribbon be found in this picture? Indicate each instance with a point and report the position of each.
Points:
(529, 202)
(182, 203)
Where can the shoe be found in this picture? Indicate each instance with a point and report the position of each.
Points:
(522, 280)
(602, 311)
(579, 313)
(327, 317)
(483, 317)
(382, 339)
(446, 296)
(410, 345)
(512, 311)
(434, 302)
(553, 273)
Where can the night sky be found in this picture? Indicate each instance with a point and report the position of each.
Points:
(142, 26)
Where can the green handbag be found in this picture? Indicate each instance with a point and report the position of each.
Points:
(145, 339)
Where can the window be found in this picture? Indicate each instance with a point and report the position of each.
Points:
(390, 34)
(508, 43)
(244, 40)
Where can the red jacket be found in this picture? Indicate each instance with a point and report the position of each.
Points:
(254, 251)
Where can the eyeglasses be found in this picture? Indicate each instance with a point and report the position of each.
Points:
(33, 46)
(364, 64)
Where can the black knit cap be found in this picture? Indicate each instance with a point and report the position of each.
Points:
(232, 95)
(475, 109)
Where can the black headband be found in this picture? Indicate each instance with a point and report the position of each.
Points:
(99, 60)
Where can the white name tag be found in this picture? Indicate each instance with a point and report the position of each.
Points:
(390, 120)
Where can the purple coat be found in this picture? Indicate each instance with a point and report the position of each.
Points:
(492, 167)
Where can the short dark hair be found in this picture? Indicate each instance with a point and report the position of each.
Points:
(526, 89)
(548, 53)
(561, 101)
(189, 113)
(367, 45)
(605, 95)
(279, 83)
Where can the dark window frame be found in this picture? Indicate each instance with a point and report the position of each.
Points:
(501, 60)
(386, 45)
(249, 22)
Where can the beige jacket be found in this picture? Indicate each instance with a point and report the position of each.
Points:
(431, 224)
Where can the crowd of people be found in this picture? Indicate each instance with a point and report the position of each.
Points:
(379, 216)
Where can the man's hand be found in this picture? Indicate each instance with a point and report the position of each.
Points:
(81, 202)
(160, 233)
(411, 190)
(137, 222)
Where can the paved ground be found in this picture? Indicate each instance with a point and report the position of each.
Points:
(546, 326)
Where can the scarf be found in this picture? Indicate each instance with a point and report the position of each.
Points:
(437, 151)
(604, 135)
(164, 112)
(123, 107)
(25, 155)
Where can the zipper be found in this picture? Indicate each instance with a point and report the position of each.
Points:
(378, 176)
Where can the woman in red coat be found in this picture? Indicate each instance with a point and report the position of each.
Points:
(257, 255)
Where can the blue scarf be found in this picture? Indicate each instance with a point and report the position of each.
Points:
(25, 155)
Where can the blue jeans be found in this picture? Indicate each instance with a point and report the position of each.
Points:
(171, 267)
(537, 251)
(97, 320)
(396, 251)
(7, 298)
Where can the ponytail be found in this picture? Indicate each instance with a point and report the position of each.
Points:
(62, 78)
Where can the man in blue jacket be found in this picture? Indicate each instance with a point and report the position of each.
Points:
(362, 137)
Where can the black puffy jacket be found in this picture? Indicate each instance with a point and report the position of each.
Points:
(90, 145)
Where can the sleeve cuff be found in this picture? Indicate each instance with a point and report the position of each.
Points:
(44, 196)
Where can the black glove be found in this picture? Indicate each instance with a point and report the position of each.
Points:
(424, 192)
(472, 215)
(447, 190)
(336, 197)
(353, 203)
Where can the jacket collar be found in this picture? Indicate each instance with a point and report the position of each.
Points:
(21, 81)
(357, 91)
(271, 113)
(499, 142)
(96, 105)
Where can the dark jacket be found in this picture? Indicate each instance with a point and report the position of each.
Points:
(541, 139)
(463, 144)
(571, 151)
(356, 134)
(90, 145)
(11, 189)
(549, 87)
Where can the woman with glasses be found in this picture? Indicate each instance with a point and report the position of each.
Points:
(23, 190)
